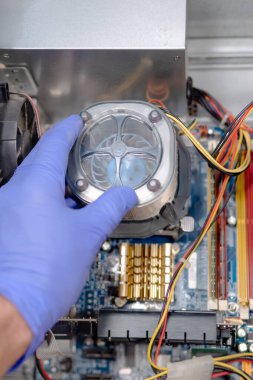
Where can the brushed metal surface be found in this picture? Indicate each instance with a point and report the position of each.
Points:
(223, 67)
(220, 49)
(96, 24)
(80, 52)
(219, 18)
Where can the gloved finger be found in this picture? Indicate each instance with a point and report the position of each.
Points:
(107, 211)
(52, 150)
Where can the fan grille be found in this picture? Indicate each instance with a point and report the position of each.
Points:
(120, 150)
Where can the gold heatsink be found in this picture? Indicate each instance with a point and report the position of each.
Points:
(145, 271)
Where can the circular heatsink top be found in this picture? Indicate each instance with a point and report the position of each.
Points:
(119, 151)
(125, 144)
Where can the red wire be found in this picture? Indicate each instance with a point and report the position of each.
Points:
(161, 340)
(166, 316)
(219, 374)
(35, 110)
(242, 118)
(184, 257)
(214, 105)
(46, 375)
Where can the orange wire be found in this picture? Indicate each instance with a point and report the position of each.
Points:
(157, 101)
(218, 200)
(243, 117)
(230, 150)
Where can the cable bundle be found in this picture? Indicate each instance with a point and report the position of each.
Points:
(230, 158)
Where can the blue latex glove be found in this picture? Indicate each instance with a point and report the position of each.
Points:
(46, 247)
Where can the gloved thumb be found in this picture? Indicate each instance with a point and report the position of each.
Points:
(109, 209)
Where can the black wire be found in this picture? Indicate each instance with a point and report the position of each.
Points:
(200, 233)
(226, 136)
(39, 368)
(219, 370)
(34, 369)
(199, 96)
(202, 229)
(214, 154)
(218, 105)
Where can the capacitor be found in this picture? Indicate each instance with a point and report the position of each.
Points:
(242, 347)
(251, 347)
(241, 332)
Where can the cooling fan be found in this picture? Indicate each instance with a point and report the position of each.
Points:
(132, 144)
(18, 131)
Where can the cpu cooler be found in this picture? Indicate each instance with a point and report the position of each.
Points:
(133, 144)
(18, 131)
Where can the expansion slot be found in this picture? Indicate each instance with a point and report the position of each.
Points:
(249, 228)
(241, 250)
(212, 253)
(221, 244)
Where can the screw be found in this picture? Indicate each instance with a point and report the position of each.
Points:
(175, 248)
(82, 184)
(107, 247)
(85, 116)
(154, 185)
(177, 58)
(120, 302)
(73, 312)
(88, 341)
(231, 221)
(154, 116)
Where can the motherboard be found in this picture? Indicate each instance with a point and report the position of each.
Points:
(114, 318)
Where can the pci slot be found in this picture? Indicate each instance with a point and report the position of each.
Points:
(212, 252)
(249, 228)
(241, 251)
(221, 243)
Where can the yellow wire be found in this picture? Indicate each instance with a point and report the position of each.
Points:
(218, 362)
(173, 286)
(191, 126)
(178, 275)
(215, 163)
(232, 368)
(234, 356)
(210, 158)
(239, 143)
(230, 137)
(158, 375)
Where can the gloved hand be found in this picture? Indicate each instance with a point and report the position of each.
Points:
(46, 247)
